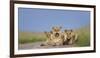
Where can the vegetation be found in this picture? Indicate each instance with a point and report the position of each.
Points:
(83, 36)
(31, 37)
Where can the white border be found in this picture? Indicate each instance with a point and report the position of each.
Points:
(86, 2)
(55, 49)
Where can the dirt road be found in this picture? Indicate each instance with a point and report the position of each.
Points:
(37, 46)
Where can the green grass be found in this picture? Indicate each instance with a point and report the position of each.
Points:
(83, 37)
(31, 37)
(28, 37)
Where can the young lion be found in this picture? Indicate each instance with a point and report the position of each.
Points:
(70, 37)
(56, 36)
(49, 40)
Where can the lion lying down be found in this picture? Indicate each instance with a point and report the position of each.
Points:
(57, 38)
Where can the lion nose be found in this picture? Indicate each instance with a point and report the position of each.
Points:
(57, 34)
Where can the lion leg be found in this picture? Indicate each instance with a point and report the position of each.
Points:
(76, 38)
(46, 43)
(70, 41)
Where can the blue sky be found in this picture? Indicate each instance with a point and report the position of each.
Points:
(39, 20)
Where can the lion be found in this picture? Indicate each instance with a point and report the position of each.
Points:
(57, 36)
(49, 40)
(54, 37)
(70, 37)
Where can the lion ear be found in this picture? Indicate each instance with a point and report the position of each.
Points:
(51, 32)
(45, 32)
(71, 30)
(65, 30)
(52, 27)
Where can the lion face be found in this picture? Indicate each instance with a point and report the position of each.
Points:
(71, 36)
(68, 33)
(56, 31)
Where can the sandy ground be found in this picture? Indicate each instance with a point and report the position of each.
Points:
(37, 45)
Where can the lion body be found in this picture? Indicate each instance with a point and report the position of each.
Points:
(70, 37)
